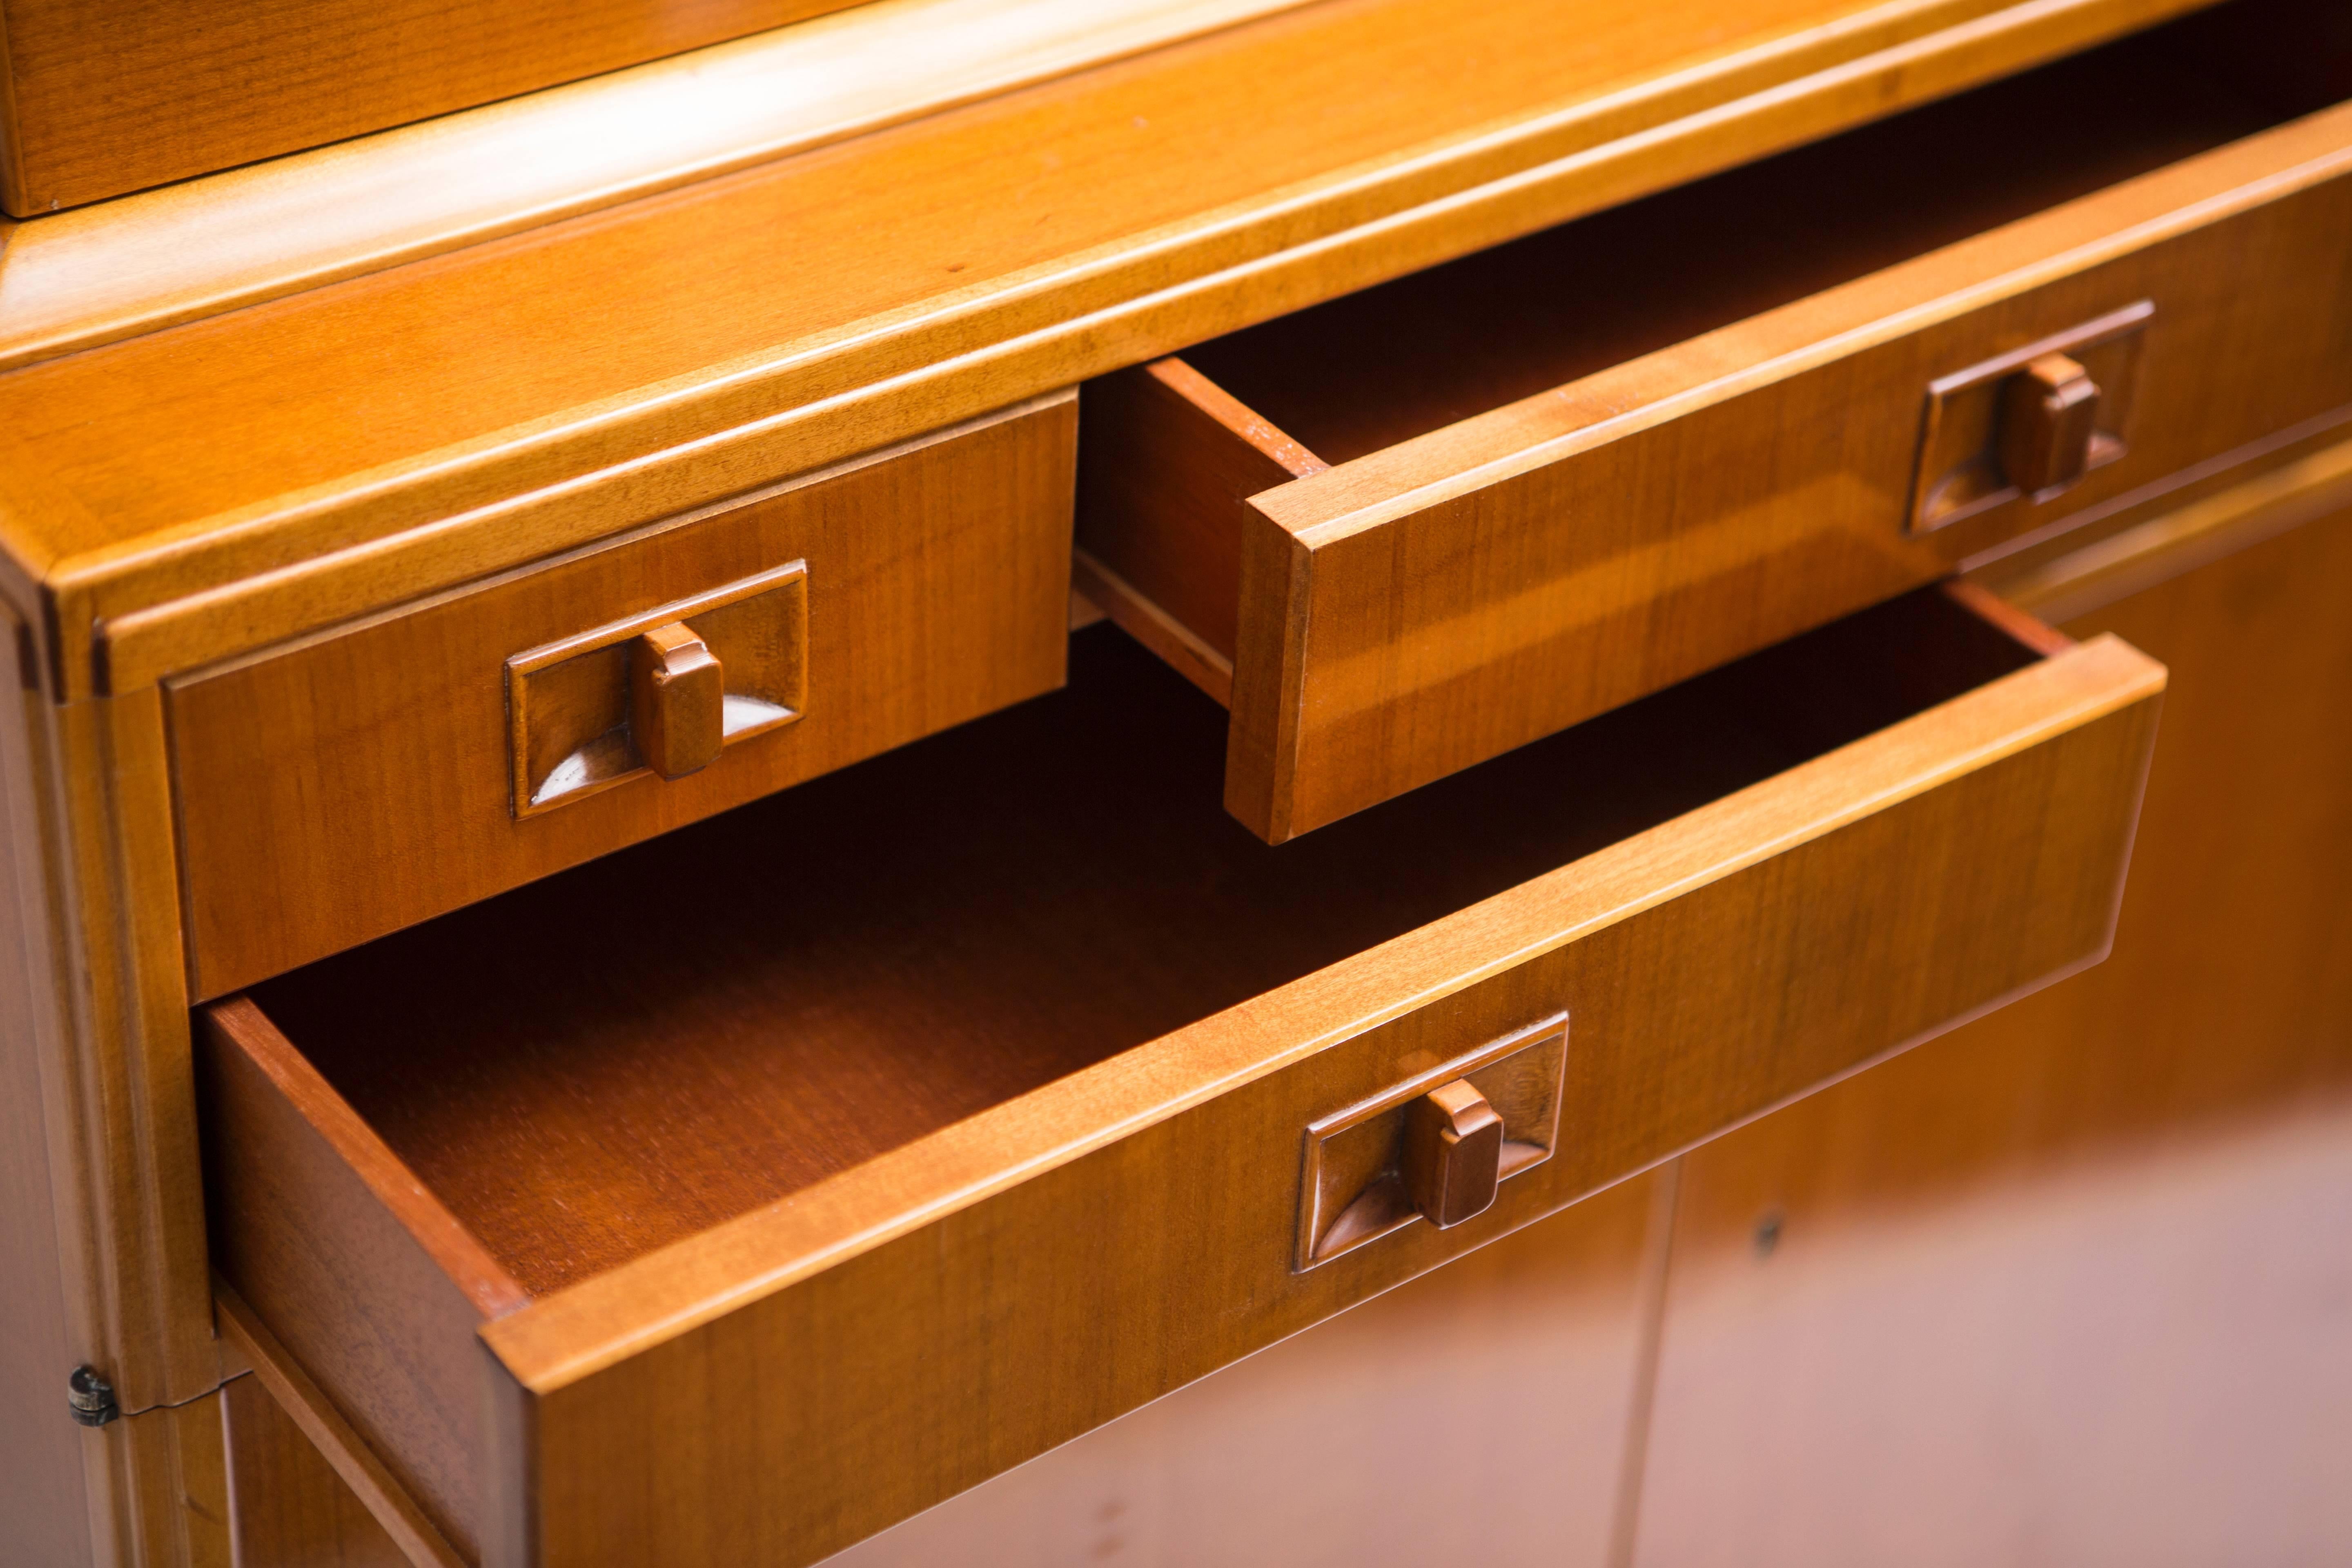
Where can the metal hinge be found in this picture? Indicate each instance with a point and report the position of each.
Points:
(91, 1397)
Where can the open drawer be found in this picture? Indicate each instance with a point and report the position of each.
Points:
(1407, 531)
(735, 1196)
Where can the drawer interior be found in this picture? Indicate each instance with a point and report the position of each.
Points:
(618, 1057)
(1373, 369)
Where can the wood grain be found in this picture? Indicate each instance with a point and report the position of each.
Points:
(327, 1490)
(201, 247)
(766, 1100)
(371, 1288)
(350, 487)
(362, 781)
(1144, 1256)
(289, 1508)
(2152, 1088)
(1683, 506)
(117, 96)
(43, 1493)
(168, 1502)
(1501, 1383)
(122, 1124)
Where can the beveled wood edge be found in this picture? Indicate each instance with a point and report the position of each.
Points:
(336, 1442)
(281, 566)
(1236, 418)
(2013, 620)
(1126, 607)
(1779, 344)
(572, 1333)
(131, 640)
(138, 263)
(438, 1232)
(2205, 530)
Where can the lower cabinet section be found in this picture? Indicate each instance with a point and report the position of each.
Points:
(2071, 1285)
(737, 1197)
(290, 1509)
(1478, 1415)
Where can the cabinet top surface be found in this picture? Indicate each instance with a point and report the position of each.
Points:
(210, 441)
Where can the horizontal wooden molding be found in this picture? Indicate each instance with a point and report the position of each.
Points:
(103, 273)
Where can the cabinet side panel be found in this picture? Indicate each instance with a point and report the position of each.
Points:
(42, 1491)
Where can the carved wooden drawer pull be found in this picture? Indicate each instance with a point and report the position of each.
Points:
(1437, 1146)
(661, 692)
(677, 696)
(2050, 411)
(1453, 1154)
(2031, 423)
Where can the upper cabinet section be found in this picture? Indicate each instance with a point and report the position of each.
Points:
(248, 406)
(103, 96)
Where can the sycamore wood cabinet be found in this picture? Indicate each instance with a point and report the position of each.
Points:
(750, 789)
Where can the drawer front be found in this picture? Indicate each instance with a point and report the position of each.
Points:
(1416, 610)
(799, 1378)
(383, 773)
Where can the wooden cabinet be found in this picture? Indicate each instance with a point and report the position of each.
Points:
(602, 964)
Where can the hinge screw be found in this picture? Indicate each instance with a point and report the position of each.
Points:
(91, 1397)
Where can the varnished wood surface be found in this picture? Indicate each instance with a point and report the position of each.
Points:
(2118, 1196)
(289, 1508)
(370, 1286)
(1479, 1413)
(107, 1243)
(1038, 238)
(341, 1496)
(619, 1149)
(1679, 505)
(108, 95)
(363, 780)
(44, 1494)
(1137, 1260)
(196, 249)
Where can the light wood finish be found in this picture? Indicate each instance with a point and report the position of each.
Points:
(108, 95)
(373, 1493)
(1538, 509)
(290, 1509)
(43, 1493)
(100, 1135)
(365, 779)
(203, 489)
(103, 273)
(876, 1115)
(169, 1469)
(2071, 1267)
(1500, 1387)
